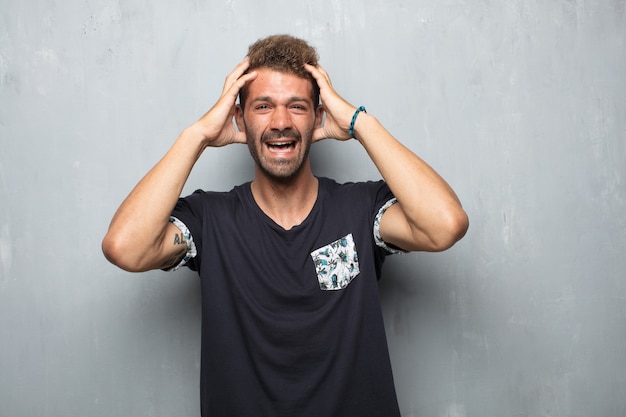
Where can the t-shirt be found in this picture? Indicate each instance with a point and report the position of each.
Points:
(291, 319)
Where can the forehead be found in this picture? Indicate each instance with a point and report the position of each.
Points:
(276, 85)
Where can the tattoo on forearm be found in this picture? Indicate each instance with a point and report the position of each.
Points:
(173, 261)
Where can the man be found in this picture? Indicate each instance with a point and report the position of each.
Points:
(289, 262)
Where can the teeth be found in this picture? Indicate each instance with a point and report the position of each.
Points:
(280, 144)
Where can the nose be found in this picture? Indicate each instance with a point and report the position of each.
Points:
(281, 119)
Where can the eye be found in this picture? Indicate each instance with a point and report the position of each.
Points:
(298, 107)
(261, 108)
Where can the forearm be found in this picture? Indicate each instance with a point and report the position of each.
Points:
(137, 236)
(137, 230)
(431, 208)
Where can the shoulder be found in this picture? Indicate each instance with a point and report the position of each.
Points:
(356, 191)
(201, 203)
(215, 197)
(332, 185)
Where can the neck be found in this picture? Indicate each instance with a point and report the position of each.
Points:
(288, 202)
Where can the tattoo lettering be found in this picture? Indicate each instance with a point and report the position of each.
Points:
(179, 239)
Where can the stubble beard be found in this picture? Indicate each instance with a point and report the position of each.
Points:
(282, 169)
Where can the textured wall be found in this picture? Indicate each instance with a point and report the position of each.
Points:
(520, 105)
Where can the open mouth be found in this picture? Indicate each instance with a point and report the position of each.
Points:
(281, 146)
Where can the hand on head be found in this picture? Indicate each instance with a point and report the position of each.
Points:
(338, 111)
(217, 126)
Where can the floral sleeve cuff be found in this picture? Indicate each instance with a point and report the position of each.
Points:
(191, 246)
(379, 240)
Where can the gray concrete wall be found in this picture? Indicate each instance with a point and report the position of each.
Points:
(520, 105)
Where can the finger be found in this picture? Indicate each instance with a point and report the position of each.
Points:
(318, 73)
(325, 75)
(323, 71)
(239, 70)
(238, 84)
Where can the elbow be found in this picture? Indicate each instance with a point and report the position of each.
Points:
(459, 225)
(119, 254)
(454, 226)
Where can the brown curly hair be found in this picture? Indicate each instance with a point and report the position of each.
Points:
(283, 53)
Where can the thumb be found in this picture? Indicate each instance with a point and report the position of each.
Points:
(319, 134)
(240, 137)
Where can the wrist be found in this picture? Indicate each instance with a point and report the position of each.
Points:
(197, 134)
(358, 111)
(363, 125)
(193, 137)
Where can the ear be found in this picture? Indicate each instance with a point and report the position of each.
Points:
(239, 118)
(319, 115)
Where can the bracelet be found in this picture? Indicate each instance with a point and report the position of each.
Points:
(356, 113)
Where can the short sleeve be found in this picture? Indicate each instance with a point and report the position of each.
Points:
(189, 213)
(191, 246)
(377, 238)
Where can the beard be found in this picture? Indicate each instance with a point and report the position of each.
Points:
(280, 169)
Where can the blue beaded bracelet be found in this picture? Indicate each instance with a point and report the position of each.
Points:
(356, 113)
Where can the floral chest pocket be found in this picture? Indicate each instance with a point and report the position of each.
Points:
(336, 264)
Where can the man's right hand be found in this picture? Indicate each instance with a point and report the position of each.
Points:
(217, 126)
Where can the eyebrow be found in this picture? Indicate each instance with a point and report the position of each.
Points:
(291, 99)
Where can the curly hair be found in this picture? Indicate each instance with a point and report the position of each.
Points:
(283, 53)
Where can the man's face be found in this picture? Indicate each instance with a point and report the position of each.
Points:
(279, 118)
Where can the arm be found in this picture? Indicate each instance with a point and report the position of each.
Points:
(140, 236)
(428, 216)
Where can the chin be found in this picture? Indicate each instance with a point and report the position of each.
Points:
(281, 173)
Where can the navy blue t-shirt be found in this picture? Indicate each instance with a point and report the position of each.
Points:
(291, 319)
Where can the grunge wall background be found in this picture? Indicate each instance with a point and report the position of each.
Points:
(520, 105)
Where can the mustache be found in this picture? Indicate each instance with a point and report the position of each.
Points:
(275, 134)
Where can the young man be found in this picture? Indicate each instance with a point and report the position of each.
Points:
(289, 262)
